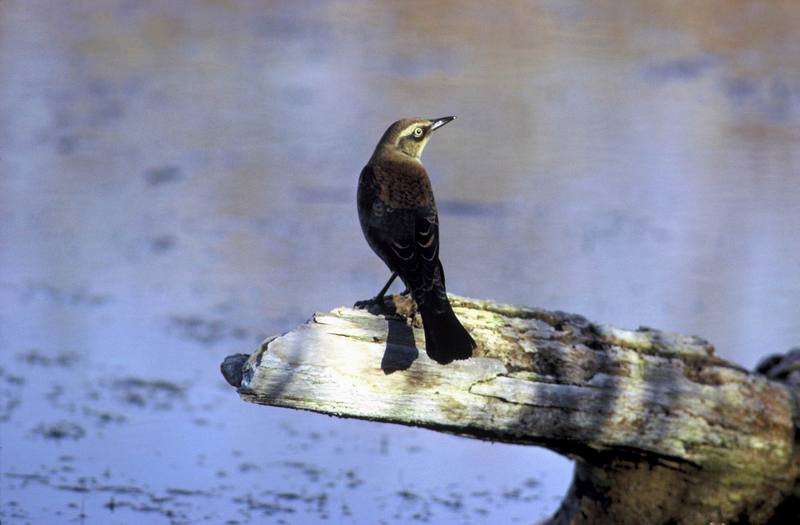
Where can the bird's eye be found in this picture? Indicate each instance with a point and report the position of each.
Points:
(418, 132)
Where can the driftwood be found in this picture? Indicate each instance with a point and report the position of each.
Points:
(661, 429)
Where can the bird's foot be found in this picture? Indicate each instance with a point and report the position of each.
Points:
(376, 306)
(400, 307)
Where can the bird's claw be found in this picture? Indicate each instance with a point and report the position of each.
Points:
(376, 306)
(363, 305)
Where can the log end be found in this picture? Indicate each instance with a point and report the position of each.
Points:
(232, 369)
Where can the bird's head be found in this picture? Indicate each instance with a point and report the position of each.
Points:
(409, 136)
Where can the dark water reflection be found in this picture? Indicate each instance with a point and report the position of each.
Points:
(177, 182)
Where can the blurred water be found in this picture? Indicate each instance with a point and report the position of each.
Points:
(177, 182)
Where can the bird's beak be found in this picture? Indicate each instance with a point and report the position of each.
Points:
(439, 122)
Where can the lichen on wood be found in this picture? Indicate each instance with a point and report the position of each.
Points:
(660, 427)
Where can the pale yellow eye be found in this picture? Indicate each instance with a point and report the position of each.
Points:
(418, 132)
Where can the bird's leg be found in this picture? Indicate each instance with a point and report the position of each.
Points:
(377, 301)
(385, 288)
(406, 290)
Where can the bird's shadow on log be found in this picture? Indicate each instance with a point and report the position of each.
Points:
(401, 347)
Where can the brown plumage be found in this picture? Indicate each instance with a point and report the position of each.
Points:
(398, 216)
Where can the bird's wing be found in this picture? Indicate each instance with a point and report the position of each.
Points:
(414, 253)
(426, 236)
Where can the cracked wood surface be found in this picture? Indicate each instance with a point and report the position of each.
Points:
(614, 399)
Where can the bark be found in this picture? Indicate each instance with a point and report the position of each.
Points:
(662, 430)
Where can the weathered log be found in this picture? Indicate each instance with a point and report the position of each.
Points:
(662, 430)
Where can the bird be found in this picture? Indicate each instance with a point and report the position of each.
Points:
(399, 220)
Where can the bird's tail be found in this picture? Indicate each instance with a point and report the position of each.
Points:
(445, 338)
